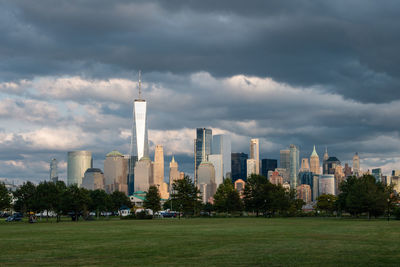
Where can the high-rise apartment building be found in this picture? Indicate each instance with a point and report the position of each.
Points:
(377, 173)
(304, 193)
(356, 165)
(239, 166)
(116, 172)
(294, 165)
(202, 148)
(78, 163)
(221, 145)
(314, 162)
(251, 167)
(268, 165)
(53, 171)
(326, 184)
(139, 139)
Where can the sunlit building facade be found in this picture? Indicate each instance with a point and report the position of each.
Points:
(78, 163)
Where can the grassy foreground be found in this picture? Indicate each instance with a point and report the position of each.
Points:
(203, 242)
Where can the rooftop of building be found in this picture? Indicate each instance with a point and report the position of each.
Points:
(115, 153)
(93, 170)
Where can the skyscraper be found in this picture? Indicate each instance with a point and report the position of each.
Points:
(324, 163)
(294, 165)
(202, 142)
(221, 144)
(217, 162)
(305, 166)
(174, 173)
(78, 163)
(251, 167)
(284, 159)
(115, 172)
(377, 173)
(93, 179)
(158, 165)
(255, 153)
(356, 165)
(314, 162)
(326, 184)
(239, 166)
(268, 165)
(139, 138)
(143, 173)
(53, 171)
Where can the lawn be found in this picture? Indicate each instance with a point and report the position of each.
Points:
(203, 242)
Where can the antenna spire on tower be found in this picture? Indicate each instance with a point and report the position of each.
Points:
(140, 84)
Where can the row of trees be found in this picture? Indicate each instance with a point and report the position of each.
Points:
(61, 199)
(260, 197)
(362, 195)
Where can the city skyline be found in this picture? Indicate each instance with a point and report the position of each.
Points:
(232, 68)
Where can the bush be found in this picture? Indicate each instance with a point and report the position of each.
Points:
(143, 216)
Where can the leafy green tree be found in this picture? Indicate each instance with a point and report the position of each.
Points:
(254, 193)
(5, 198)
(99, 201)
(227, 198)
(119, 199)
(326, 203)
(58, 200)
(25, 198)
(186, 196)
(365, 195)
(45, 197)
(76, 200)
(153, 199)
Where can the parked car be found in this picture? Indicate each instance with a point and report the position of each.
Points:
(16, 217)
(4, 215)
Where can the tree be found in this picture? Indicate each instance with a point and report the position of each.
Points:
(44, 197)
(5, 198)
(254, 193)
(227, 198)
(25, 198)
(76, 200)
(119, 199)
(153, 199)
(326, 203)
(365, 195)
(99, 201)
(58, 201)
(185, 195)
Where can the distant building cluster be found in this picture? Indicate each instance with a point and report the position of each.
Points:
(214, 161)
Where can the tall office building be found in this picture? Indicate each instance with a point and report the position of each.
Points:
(53, 171)
(314, 162)
(174, 173)
(115, 172)
(255, 153)
(139, 138)
(294, 165)
(143, 173)
(202, 142)
(356, 165)
(158, 172)
(239, 166)
(158, 165)
(330, 165)
(78, 163)
(324, 163)
(93, 179)
(217, 162)
(347, 170)
(305, 166)
(284, 159)
(221, 145)
(307, 178)
(251, 167)
(326, 184)
(206, 178)
(268, 165)
(304, 192)
(377, 173)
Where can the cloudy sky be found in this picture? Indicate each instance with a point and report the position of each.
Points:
(315, 72)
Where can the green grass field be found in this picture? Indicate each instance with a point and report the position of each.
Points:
(203, 242)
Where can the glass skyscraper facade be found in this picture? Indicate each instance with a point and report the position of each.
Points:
(239, 166)
(78, 163)
(221, 144)
(203, 141)
(268, 165)
(284, 159)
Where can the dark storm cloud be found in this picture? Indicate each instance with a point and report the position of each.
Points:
(349, 47)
